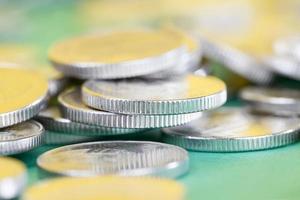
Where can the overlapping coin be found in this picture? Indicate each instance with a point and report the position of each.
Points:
(127, 158)
(233, 130)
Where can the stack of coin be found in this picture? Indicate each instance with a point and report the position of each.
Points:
(23, 95)
(139, 79)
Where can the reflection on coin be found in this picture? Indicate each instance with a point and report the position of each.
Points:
(106, 188)
(52, 120)
(117, 54)
(20, 137)
(283, 65)
(13, 178)
(53, 138)
(280, 101)
(23, 94)
(233, 129)
(160, 96)
(127, 158)
(75, 110)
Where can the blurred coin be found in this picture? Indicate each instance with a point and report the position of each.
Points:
(279, 101)
(288, 46)
(52, 120)
(232, 130)
(13, 178)
(106, 187)
(23, 94)
(117, 54)
(160, 96)
(127, 158)
(20, 137)
(284, 65)
(75, 110)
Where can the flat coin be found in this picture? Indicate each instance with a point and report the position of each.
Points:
(13, 178)
(75, 110)
(280, 101)
(106, 187)
(283, 65)
(117, 54)
(23, 95)
(288, 46)
(52, 120)
(233, 130)
(126, 158)
(160, 96)
(20, 137)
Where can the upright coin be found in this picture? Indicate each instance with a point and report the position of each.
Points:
(13, 178)
(118, 54)
(52, 120)
(280, 101)
(127, 158)
(20, 137)
(75, 110)
(23, 95)
(106, 187)
(232, 130)
(160, 96)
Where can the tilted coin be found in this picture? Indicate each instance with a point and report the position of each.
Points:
(20, 137)
(288, 46)
(75, 110)
(23, 95)
(186, 94)
(233, 129)
(127, 158)
(284, 65)
(281, 101)
(13, 177)
(117, 54)
(106, 187)
(52, 120)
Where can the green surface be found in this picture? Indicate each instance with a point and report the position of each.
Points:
(272, 174)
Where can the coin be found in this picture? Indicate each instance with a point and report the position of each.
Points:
(20, 137)
(288, 46)
(284, 65)
(126, 158)
(232, 130)
(117, 54)
(52, 120)
(23, 94)
(75, 110)
(160, 96)
(106, 187)
(279, 101)
(13, 178)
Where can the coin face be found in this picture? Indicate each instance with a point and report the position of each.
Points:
(114, 47)
(129, 158)
(106, 187)
(20, 137)
(10, 167)
(234, 129)
(176, 92)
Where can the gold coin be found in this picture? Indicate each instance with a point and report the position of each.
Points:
(114, 47)
(10, 167)
(106, 187)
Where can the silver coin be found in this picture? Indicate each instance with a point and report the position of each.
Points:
(179, 95)
(284, 65)
(20, 137)
(288, 46)
(13, 178)
(238, 62)
(233, 130)
(127, 158)
(52, 120)
(75, 110)
(56, 85)
(280, 101)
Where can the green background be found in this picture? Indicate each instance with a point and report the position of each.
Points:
(271, 174)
